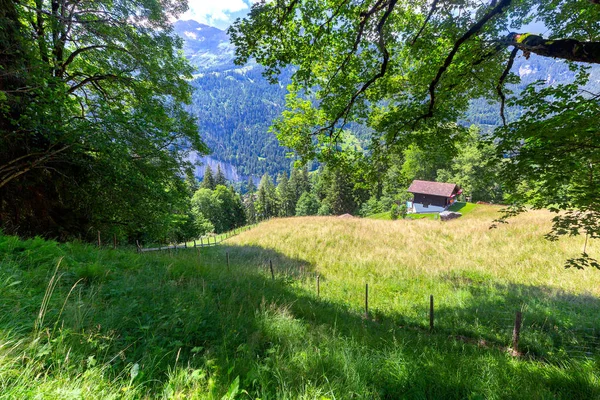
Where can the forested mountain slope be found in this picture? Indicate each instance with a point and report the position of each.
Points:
(234, 105)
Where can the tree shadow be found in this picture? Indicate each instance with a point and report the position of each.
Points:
(195, 311)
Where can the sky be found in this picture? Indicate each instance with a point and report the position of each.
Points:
(222, 13)
(217, 13)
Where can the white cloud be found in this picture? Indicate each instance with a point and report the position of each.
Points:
(214, 12)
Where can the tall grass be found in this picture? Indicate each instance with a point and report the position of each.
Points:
(125, 325)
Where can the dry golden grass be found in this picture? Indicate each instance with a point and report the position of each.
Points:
(373, 250)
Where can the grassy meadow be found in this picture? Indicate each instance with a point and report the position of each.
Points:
(82, 323)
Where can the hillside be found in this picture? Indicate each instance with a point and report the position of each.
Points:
(116, 323)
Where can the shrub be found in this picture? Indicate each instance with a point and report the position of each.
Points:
(394, 212)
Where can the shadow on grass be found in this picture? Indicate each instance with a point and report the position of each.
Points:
(191, 310)
(457, 206)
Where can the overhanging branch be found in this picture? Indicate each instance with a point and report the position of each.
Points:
(566, 49)
(500, 85)
(475, 29)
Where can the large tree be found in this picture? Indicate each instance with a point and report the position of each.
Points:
(409, 69)
(93, 133)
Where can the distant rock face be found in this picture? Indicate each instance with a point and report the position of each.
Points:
(230, 171)
(204, 46)
(448, 215)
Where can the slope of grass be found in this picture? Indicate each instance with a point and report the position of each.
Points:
(125, 325)
(462, 207)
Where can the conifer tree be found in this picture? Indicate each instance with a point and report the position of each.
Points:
(266, 204)
(251, 187)
(286, 197)
(250, 209)
(307, 205)
(340, 196)
(191, 183)
(220, 177)
(209, 181)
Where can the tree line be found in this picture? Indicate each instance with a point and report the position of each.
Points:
(354, 184)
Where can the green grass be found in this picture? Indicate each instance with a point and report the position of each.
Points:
(123, 325)
(462, 207)
(381, 216)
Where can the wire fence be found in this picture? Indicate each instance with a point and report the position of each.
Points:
(520, 331)
(203, 241)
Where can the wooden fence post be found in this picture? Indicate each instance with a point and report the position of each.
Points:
(227, 255)
(431, 312)
(201, 242)
(272, 272)
(114, 241)
(517, 332)
(139, 248)
(185, 244)
(195, 243)
(99, 241)
(366, 300)
(318, 285)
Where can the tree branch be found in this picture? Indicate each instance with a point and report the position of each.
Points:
(566, 49)
(431, 11)
(92, 79)
(4, 180)
(509, 65)
(384, 64)
(499, 8)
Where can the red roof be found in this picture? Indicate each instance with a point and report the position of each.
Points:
(433, 188)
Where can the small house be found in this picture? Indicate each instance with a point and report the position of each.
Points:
(431, 197)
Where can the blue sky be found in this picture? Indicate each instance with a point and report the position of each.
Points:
(217, 13)
(221, 13)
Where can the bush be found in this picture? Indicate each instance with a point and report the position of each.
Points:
(394, 212)
(324, 209)
(398, 211)
(371, 206)
(308, 204)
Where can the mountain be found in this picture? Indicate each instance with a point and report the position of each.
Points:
(204, 46)
(234, 106)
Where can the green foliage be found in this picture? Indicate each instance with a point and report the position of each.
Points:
(394, 212)
(208, 182)
(266, 199)
(93, 132)
(475, 169)
(159, 325)
(220, 177)
(220, 209)
(308, 204)
(286, 196)
(371, 206)
(398, 211)
(324, 210)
